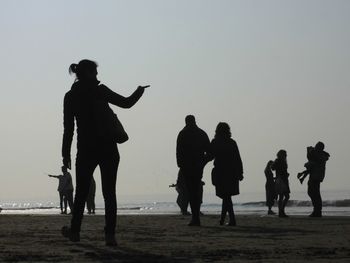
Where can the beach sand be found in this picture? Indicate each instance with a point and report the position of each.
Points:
(167, 238)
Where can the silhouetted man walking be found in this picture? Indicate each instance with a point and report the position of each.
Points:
(317, 173)
(192, 145)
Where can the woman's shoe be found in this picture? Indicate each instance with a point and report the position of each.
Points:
(315, 214)
(194, 223)
(270, 212)
(282, 215)
(72, 236)
(110, 240)
(231, 223)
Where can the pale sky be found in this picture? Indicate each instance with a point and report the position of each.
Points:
(276, 71)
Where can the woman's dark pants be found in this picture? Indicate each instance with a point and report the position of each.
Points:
(107, 157)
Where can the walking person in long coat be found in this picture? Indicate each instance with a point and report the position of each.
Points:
(227, 171)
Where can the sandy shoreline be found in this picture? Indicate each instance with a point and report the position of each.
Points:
(167, 238)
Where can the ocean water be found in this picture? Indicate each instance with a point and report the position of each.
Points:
(335, 203)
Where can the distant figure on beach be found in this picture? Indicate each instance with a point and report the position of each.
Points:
(282, 183)
(90, 201)
(65, 189)
(270, 188)
(191, 147)
(98, 131)
(316, 167)
(182, 199)
(227, 171)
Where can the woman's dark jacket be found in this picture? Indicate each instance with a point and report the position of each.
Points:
(228, 167)
(78, 104)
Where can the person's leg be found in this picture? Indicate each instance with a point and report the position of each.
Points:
(84, 170)
(65, 202)
(88, 203)
(93, 204)
(182, 200)
(193, 182)
(70, 200)
(61, 201)
(285, 201)
(193, 185)
(223, 211)
(311, 193)
(231, 213)
(109, 166)
(316, 198)
(200, 197)
(270, 201)
(280, 205)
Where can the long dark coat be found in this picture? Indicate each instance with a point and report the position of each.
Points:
(228, 167)
(282, 182)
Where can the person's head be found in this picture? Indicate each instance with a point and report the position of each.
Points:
(269, 163)
(282, 154)
(223, 130)
(84, 70)
(64, 169)
(319, 146)
(190, 120)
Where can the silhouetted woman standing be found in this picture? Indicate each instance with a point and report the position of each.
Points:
(282, 183)
(270, 188)
(92, 149)
(227, 171)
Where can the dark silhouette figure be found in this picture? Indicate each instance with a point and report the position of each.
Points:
(317, 169)
(282, 183)
(192, 145)
(65, 189)
(270, 188)
(90, 201)
(227, 171)
(182, 199)
(94, 148)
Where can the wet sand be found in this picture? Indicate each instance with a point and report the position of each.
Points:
(167, 238)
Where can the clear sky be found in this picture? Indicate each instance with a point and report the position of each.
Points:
(276, 71)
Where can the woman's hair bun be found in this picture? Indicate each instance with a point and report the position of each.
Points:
(73, 68)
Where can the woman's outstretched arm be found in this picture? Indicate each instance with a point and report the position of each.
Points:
(120, 101)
